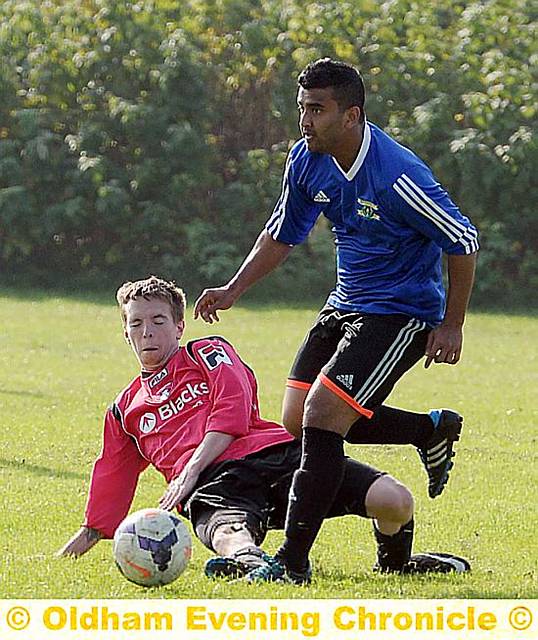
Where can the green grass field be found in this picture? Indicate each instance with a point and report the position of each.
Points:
(63, 361)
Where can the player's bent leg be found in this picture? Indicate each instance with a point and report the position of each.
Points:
(390, 504)
(235, 538)
(293, 407)
(389, 425)
(369, 361)
(433, 434)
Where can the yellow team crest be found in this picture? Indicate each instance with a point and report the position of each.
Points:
(367, 209)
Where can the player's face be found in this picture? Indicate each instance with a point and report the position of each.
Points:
(151, 331)
(323, 125)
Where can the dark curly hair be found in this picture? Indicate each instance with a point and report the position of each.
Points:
(344, 80)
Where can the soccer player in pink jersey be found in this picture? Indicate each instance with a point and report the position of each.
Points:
(193, 413)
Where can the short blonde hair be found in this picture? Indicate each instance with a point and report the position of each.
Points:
(153, 287)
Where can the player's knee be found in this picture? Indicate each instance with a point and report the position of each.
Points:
(403, 504)
(399, 506)
(388, 499)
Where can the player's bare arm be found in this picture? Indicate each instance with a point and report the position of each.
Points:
(211, 447)
(83, 540)
(445, 341)
(265, 255)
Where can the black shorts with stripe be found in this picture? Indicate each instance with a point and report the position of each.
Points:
(359, 356)
(253, 491)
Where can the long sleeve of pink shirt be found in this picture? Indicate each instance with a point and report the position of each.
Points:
(114, 478)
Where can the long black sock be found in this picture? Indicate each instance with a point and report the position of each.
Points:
(392, 426)
(393, 551)
(314, 486)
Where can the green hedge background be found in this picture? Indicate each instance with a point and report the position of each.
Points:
(149, 136)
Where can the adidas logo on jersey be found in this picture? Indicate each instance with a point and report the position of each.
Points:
(321, 197)
(346, 380)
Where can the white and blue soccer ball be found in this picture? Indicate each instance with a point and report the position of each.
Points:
(152, 547)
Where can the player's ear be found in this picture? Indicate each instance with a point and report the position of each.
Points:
(353, 116)
(180, 326)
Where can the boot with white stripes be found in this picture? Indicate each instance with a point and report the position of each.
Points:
(438, 452)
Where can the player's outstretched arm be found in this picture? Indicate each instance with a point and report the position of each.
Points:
(265, 255)
(445, 341)
(83, 540)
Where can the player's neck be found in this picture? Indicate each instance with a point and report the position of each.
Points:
(347, 152)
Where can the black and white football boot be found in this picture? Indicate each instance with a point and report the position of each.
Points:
(421, 563)
(435, 563)
(438, 452)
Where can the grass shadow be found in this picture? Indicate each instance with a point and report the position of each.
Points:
(31, 394)
(38, 470)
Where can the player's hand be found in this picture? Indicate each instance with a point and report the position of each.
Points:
(210, 301)
(83, 540)
(179, 488)
(444, 344)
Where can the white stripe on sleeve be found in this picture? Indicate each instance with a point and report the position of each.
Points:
(453, 229)
(276, 220)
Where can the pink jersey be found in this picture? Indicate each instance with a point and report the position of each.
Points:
(161, 417)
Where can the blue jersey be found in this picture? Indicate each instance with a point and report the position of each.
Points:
(392, 221)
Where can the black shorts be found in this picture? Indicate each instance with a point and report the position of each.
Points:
(358, 356)
(254, 491)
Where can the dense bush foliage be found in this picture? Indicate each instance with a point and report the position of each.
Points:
(149, 136)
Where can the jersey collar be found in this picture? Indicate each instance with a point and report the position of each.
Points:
(366, 138)
(150, 377)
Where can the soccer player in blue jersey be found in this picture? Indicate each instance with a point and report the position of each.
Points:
(392, 221)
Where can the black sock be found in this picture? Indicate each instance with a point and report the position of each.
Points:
(393, 551)
(392, 426)
(314, 486)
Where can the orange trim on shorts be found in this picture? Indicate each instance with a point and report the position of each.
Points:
(341, 394)
(296, 384)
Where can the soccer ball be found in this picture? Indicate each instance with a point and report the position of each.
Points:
(152, 547)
